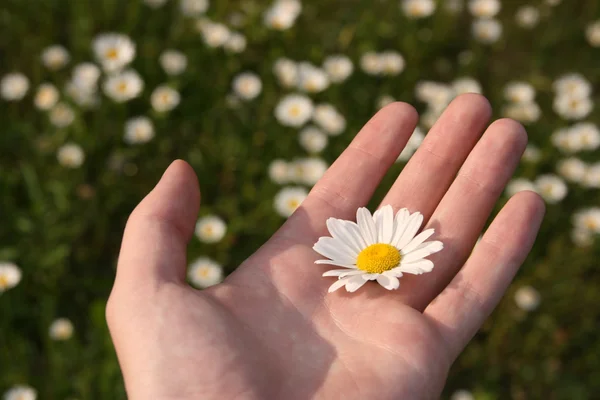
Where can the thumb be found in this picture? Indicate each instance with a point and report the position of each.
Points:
(154, 244)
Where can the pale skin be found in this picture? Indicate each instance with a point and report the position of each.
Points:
(271, 331)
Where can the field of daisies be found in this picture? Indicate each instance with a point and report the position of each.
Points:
(98, 97)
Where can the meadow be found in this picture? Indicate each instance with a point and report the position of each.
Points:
(97, 98)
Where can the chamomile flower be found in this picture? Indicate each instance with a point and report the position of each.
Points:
(588, 220)
(437, 95)
(55, 57)
(412, 145)
(329, 119)
(86, 98)
(312, 139)
(173, 62)
(381, 247)
(532, 154)
(14, 86)
(552, 188)
(193, 8)
(210, 229)
(236, 43)
(572, 169)
(61, 329)
(113, 51)
(247, 86)
(10, 275)
(214, 33)
(288, 199)
(204, 272)
(527, 17)
(338, 68)
(164, 98)
(581, 237)
(418, 8)
(286, 72)
(294, 110)
(484, 8)
(311, 79)
(138, 130)
(592, 176)
(587, 135)
(282, 14)
(371, 63)
(462, 395)
(385, 100)
(519, 92)
(392, 63)
(70, 155)
(519, 185)
(308, 170)
(572, 85)
(46, 96)
(527, 298)
(466, 85)
(62, 115)
(20, 392)
(279, 171)
(592, 34)
(523, 112)
(85, 76)
(573, 108)
(123, 86)
(487, 30)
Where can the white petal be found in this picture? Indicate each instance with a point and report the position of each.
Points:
(412, 226)
(400, 225)
(420, 238)
(354, 283)
(342, 272)
(366, 225)
(370, 277)
(396, 273)
(339, 232)
(386, 224)
(337, 264)
(333, 249)
(356, 234)
(378, 220)
(415, 268)
(388, 282)
(432, 247)
(338, 284)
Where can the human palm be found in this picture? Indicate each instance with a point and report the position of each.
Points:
(271, 331)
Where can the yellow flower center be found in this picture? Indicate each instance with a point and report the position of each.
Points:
(122, 87)
(112, 54)
(208, 230)
(590, 224)
(203, 272)
(3, 282)
(293, 204)
(378, 258)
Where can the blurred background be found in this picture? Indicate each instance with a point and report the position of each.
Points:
(97, 97)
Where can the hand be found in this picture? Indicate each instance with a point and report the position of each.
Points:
(271, 331)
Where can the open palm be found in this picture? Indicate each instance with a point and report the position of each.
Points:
(271, 331)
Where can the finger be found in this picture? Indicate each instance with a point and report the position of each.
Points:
(462, 213)
(431, 170)
(351, 180)
(154, 243)
(463, 306)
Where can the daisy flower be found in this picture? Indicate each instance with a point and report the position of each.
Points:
(20, 392)
(338, 68)
(123, 86)
(592, 34)
(519, 92)
(173, 62)
(519, 185)
(294, 110)
(70, 155)
(392, 63)
(286, 72)
(214, 33)
(552, 188)
(236, 43)
(484, 8)
(418, 8)
(193, 8)
(532, 154)
(14, 86)
(466, 85)
(569, 107)
(572, 169)
(55, 57)
(138, 130)
(279, 171)
(204, 272)
(61, 329)
(573, 85)
(247, 86)
(289, 199)
(62, 115)
(164, 98)
(329, 119)
(312, 79)
(113, 50)
(312, 139)
(527, 17)
(523, 112)
(527, 298)
(210, 229)
(462, 395)
(380, 247)
(487, 30)
(85, 76)
(308, 170)
(371, 63)
(46, 96)
(10, 275)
